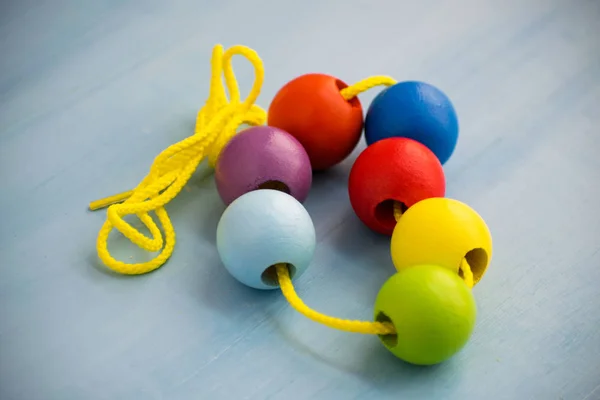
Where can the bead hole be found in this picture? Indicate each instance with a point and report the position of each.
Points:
(477, 259)
(275, 185)
(384, 213)
(354, 102)
(269, 275)
(388, 340)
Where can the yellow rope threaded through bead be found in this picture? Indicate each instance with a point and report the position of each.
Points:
(398, 211)
(366, 84)
(467, 272)
(216, 124)
(365, 327)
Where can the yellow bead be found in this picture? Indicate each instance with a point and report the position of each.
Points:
(443, 232)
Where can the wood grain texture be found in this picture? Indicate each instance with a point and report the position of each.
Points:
(90, 92)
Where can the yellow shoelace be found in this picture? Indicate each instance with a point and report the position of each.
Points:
(217, 122)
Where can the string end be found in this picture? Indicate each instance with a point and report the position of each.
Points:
(110, 200)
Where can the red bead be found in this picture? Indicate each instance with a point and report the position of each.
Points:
(312, 110)
(394, 169)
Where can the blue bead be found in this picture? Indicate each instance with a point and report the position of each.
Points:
(414, 110)
(260, 229)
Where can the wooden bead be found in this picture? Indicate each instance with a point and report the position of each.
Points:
(260, 229)
(433, 311)
(414, 110)
(394, 169)
(312, 109)
(263, 157)
(442, 231)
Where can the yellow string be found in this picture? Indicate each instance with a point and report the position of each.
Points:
(398, 211)
(365, 327)
(216, 124)
(465, 267)
(366, 84)
(107, 201)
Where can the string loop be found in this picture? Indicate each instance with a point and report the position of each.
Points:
(216, 123)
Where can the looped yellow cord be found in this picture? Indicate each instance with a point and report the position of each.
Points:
(366, 327)
(216, 124)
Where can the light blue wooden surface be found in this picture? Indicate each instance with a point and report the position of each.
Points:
(91, 91)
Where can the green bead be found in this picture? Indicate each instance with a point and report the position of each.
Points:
(432, 310)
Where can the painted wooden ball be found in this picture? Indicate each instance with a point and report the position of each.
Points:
(263, 157)
(443, 232)
(311, 108)
(415, 110)
(263, 228)
(432, 310)
(393, 169)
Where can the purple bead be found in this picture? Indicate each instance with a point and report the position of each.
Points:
(263, 157)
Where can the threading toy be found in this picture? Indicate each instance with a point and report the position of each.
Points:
(440, 247)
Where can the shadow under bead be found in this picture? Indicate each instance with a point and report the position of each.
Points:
(263, 157)
(263, 228)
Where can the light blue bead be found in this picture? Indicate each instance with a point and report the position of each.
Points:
(260, 229)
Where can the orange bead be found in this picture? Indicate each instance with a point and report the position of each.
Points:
(312, 110)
